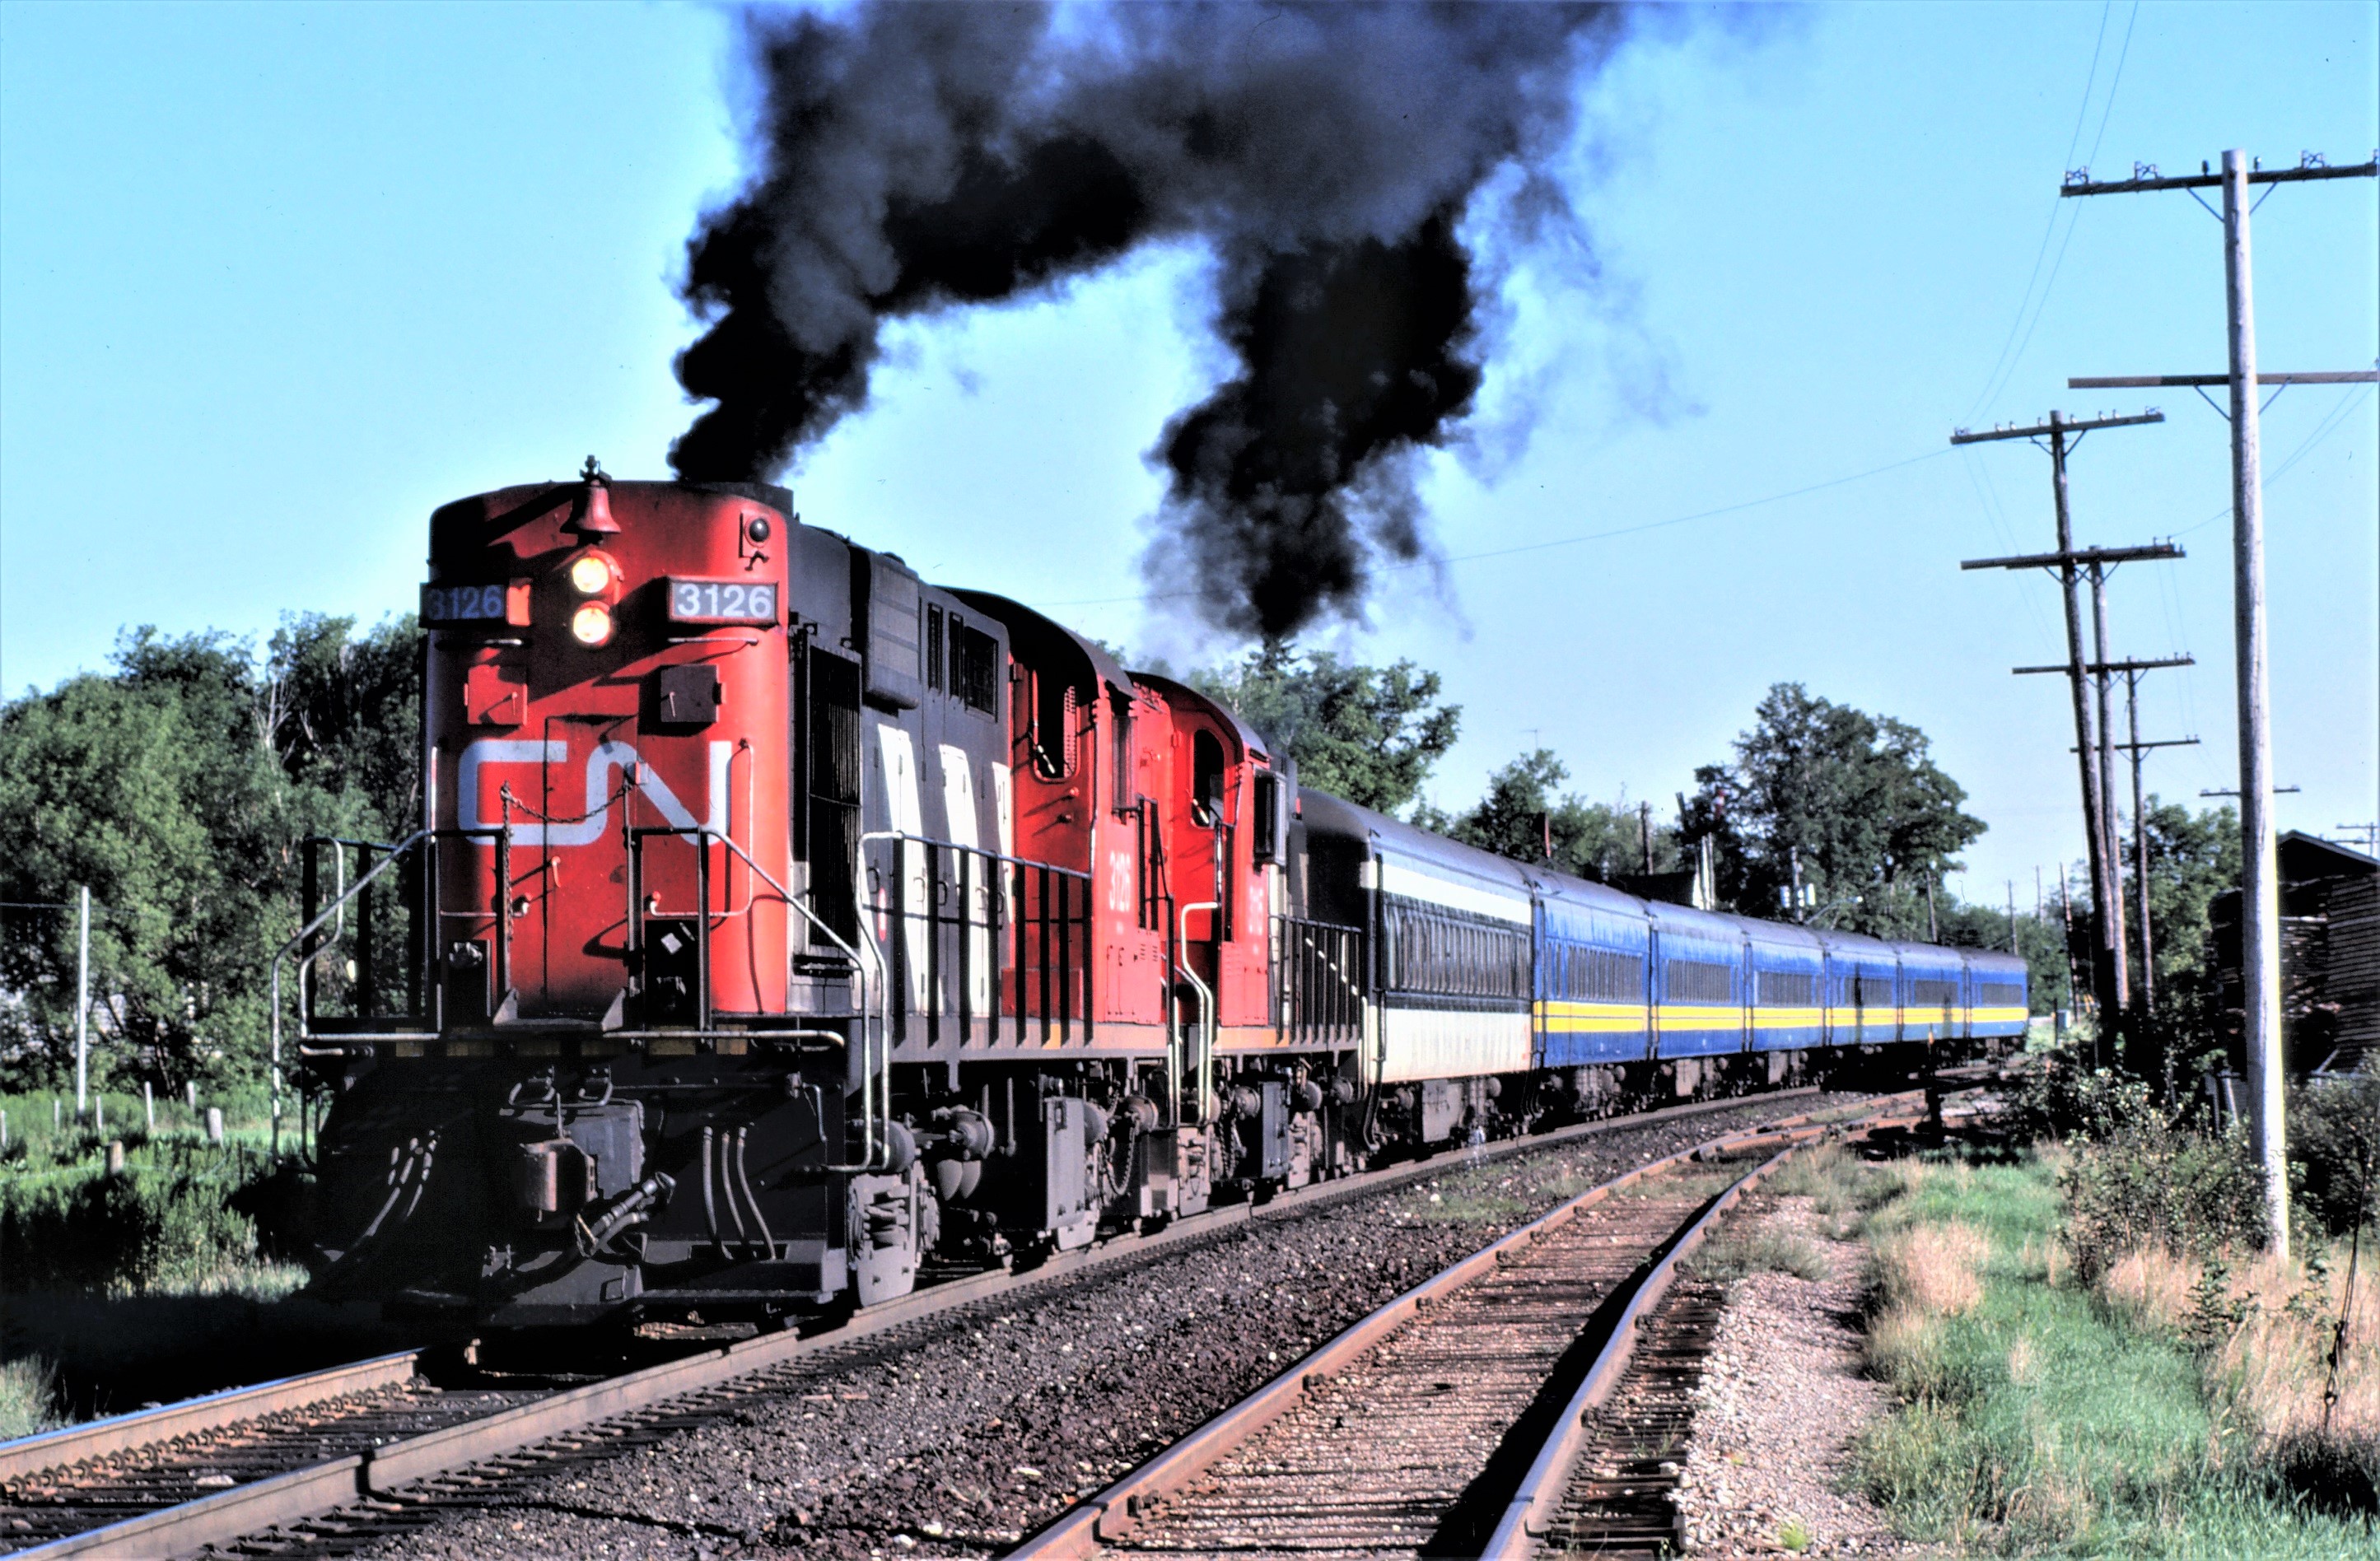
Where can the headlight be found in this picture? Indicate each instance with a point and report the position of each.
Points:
(590, 575)
(592, 624)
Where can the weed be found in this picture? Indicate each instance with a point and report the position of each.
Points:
(1843, 1189)
(28, 1397)
(2023, 1363)
(1905, 1349)
(1460, 1207)
(1735, 1254)
(1794, 1535)
(2152, 1183)
(1933, 1269)
(2335, 1134)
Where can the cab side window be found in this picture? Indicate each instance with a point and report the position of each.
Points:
(1205, 779)
(1051, 733)
(1127, 785)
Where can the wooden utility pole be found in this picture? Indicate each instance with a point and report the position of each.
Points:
(2137, 750)
(82, 1004)
(2131, 671)
(2066, 917)
(2107, 787)
(2108, 980)
(2260, 901)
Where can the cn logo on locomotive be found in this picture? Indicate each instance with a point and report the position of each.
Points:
(479, 807)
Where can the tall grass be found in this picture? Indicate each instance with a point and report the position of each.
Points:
(167, 1224)
(2034, 1415)
(44, 1124)
(1842, 1189)
(2265, 1336)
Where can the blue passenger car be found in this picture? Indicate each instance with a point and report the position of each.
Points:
(1997, 996)
(1593, 981)
(1932, 1005)
(1699, 979)
(1863, 991)
(1788, 986)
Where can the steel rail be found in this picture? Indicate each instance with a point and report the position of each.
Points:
(146, 1428)
(1530, 1515)
(1113, 1513)
(379, 1472)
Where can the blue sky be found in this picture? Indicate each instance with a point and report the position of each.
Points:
(275, 281)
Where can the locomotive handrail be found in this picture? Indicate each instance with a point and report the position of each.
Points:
(1206, 1005)
(336, 908)
(867, 1072)
(1074, 886)
(884, 1023)
(977, 849)
(1318, 964)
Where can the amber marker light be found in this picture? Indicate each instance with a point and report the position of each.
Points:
(592, 624)
(590, 575)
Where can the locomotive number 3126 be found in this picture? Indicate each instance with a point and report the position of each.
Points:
(722, 601)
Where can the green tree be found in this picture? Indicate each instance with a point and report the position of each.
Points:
(178, 788)
(1370, 734)
(1525, 811)
(1855, 800)
(343, 712)
(2192, 857)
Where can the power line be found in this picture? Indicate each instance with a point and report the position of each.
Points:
(1563, 541)
(2082, 113)
(2114, 82)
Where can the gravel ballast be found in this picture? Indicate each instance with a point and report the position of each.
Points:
(958, 1435)
(1781, 1397)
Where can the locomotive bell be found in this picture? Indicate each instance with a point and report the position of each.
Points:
(590, 513)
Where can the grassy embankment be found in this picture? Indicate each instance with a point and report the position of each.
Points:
(165, 1226)
(2138, 1402)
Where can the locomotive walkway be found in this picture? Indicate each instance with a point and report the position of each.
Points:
(325, 1460)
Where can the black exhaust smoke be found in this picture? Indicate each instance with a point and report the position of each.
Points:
(917, 157)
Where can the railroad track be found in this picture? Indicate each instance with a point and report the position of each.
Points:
(376, 1447)
(1452, 1420)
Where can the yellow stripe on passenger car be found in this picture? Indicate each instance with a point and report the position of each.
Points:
(1697, 1017)
(1787, 1018)
(1558, 1017)
(1577, 1019)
